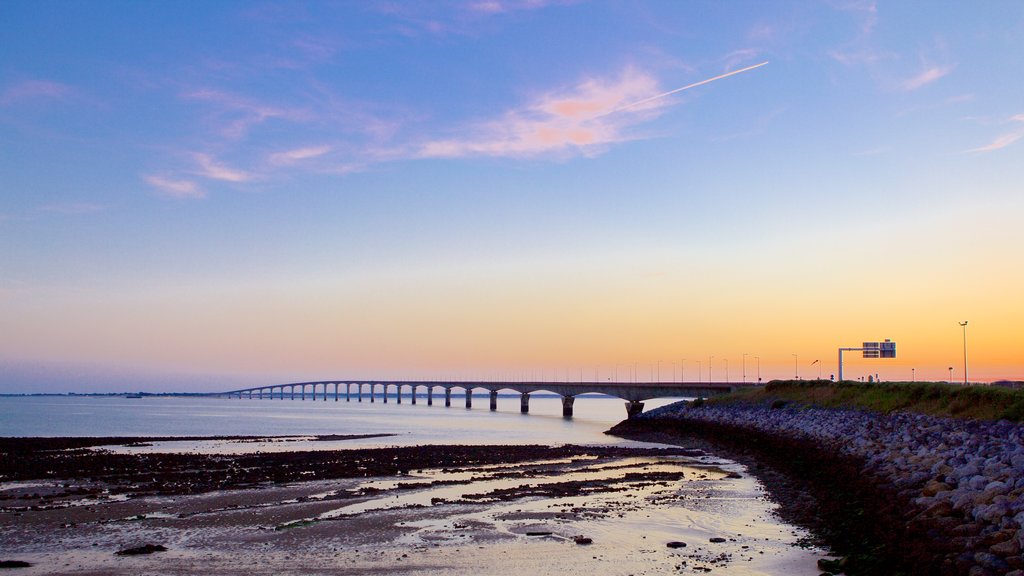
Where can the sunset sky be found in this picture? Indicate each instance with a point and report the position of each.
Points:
(206, 195)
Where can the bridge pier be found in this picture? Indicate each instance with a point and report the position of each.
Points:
(633, 409)
(567, 406)
(359, 390)
(524, 403)
(373, 393)
(430, 395)
(348, 391)
(398, 393)
(469, 398)
(413, 394)
(335, 391)
(261, 394)
(494, 400)
(447, 397)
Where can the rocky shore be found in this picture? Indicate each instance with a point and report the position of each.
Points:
(894, 493)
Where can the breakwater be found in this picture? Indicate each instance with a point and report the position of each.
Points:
(900, 492)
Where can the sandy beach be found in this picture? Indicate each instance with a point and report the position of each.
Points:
(68, 508)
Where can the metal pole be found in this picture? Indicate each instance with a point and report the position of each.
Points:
(744, 368)
(796, 366)
(758, 369)
(964, 326)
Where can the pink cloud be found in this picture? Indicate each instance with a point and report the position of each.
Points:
(175, 188)
(33, 89)
(292, 156)
(1003, 140)
(924, 78)
(210, 168)
(579, 120)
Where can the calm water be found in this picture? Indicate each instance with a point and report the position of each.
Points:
(411, 424)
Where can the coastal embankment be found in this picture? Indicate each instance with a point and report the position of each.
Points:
(911, 479)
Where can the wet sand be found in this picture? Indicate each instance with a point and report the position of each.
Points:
(432, 509)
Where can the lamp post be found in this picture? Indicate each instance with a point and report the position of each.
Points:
(659, 371)
(758, 358)
(744, 368)
(796, 365)
(700, 372)
(711, 360)
(913, 374)
(681, 380)
(950, 374)
(726, 370)
(964, 326)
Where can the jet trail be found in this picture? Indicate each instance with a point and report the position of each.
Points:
(687, 87)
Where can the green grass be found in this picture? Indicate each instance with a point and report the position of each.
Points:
(935, 398)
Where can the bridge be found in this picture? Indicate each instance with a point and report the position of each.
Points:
(633, 393)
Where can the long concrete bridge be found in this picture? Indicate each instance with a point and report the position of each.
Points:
(633, 393)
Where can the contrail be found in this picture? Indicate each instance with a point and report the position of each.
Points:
(687, 87)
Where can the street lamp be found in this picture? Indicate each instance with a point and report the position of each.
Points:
(796, 365)
(700, 372)
(758, 358)
(913, 374)
(711, 364)
(726, 370)
(744, 368)
(950, 374)
(681, 380)
(964, 326)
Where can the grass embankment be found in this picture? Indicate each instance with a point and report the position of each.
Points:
(934, 398)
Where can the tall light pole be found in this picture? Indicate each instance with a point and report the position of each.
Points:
(711, 360)
(796, 365)
(726, 370)
(700, 372)
(681, 370)
(758, 358)
(659, 370)
(744, 368)
(950, 374)
(964, 326)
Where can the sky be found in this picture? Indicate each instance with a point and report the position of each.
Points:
(197, 196)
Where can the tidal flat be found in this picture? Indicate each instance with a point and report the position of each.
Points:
(429, 509)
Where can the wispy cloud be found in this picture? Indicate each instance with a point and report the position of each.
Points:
(73, 208)
(575, 120)
(175, 188)
(861, 57)
(298, 154)
(925, 78)
(211, 168)
(32, 90)
(441, 18)
(236, 114)
(1006, 139)
(866, 10)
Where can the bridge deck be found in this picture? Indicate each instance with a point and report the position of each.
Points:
(634, 393)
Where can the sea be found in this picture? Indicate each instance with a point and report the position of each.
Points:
(404, 424)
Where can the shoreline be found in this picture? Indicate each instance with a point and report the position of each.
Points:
(803, 482)
(602, 510)
(892, 493)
